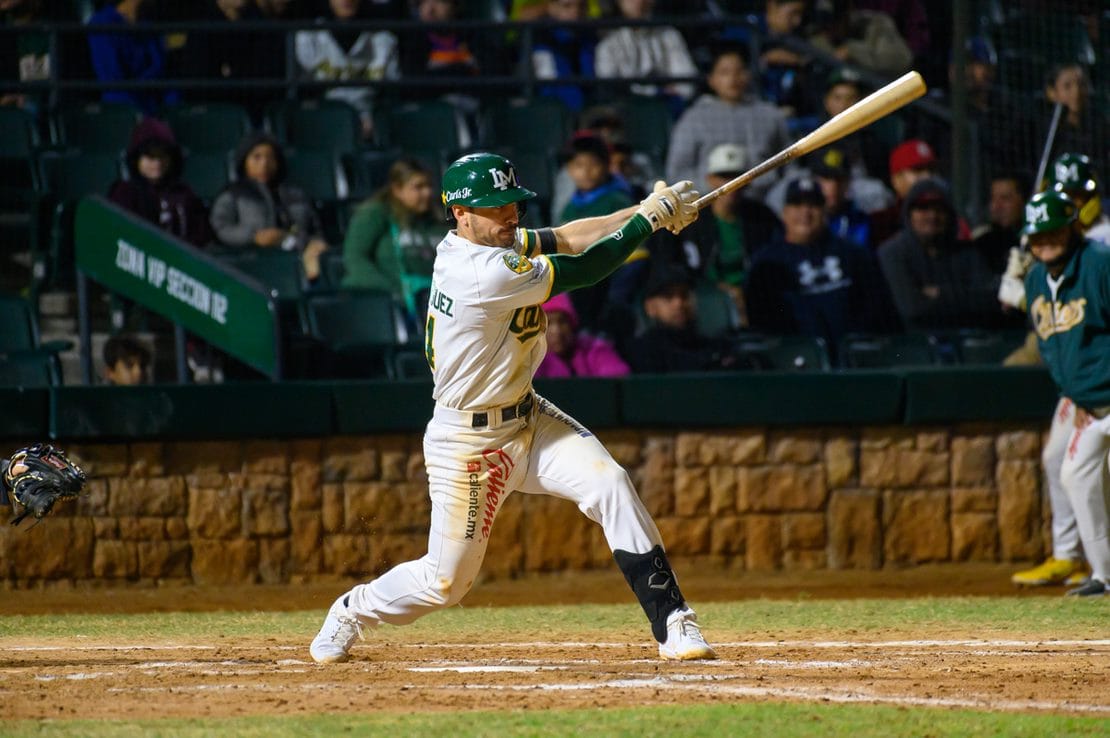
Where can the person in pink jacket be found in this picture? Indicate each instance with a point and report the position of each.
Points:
(570, 354)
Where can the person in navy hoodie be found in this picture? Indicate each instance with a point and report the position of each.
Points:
(128, 56)
(814, 283)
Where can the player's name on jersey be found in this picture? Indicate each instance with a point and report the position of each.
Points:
(441, 302)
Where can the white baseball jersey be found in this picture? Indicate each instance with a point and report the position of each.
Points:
(485, 334)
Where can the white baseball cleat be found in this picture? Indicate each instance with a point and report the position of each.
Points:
(684, 639)
(338, 633)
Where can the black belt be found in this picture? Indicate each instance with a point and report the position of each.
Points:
(481, 420)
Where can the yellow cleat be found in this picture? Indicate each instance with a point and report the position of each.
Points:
(1052, 571)
(1081, 575)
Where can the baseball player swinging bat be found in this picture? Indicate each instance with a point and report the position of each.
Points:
(883, 101)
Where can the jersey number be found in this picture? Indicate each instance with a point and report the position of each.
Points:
(429, 347)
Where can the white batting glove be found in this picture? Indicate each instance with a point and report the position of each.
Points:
(1011, 291)
(670, 207)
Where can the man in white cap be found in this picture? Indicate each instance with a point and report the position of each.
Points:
(718, 249)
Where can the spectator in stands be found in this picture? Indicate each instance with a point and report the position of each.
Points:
(938, 281)
(224, 52)
(730, 113)
(864, 38)
(128, 56)
(1004, 129)
(844, 219)
(259, 209)
(813, 283)
(1006, 206)
(391, 239)
(349, 56)
(910, 19)
(25, 56)
(154, 189)
(1082, 129)
(671, 342)
(600, 192)
(910, 162)
(126, 361)
(646, 52)
(574, 354)
(717, 248)
(560, 51)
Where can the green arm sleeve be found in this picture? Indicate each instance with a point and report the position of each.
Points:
(599, 260)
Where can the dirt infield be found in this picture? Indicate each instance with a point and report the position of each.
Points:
(221, 676)
(102, 680)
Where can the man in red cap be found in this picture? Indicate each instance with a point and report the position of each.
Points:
(910, 162)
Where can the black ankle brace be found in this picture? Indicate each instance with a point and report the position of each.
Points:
(652, 581)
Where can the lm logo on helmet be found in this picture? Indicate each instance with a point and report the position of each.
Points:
(1036, 213)
(1067, 172)
(503, 181)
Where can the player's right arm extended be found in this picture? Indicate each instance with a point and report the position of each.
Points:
(572, 271)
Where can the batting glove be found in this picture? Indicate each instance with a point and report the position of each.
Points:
(1011, 291)
(670, 207)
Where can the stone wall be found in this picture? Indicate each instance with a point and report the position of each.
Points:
(221, 513)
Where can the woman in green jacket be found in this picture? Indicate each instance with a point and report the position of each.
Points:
(392, 237)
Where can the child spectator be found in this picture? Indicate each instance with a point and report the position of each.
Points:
(600, 192)
(126, 361)
(561, 51)
(574, 354)
(154, 191)
(261, 210)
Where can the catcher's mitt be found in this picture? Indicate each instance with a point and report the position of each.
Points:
(39, 476)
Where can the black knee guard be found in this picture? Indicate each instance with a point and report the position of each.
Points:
(652, 581)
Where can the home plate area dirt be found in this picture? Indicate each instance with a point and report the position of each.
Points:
(135, 680)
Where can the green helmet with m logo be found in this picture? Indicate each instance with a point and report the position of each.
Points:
(482, 180)
(1073, 173)
(1047, 211)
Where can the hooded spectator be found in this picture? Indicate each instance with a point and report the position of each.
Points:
(937, 281)
(574, 354)
(154, 191)
(260, 209)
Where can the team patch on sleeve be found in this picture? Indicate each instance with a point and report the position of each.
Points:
(517, 263)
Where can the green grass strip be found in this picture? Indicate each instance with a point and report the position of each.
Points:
(685, 721)
(925, 617)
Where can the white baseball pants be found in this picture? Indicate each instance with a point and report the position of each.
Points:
(1065, 533)
(1086, 479)
(470, 473)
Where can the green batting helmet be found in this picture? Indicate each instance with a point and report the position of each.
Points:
(1047, 211)
(1072, 173)
(482, 181)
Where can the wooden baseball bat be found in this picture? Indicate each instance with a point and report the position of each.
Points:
(885, 100)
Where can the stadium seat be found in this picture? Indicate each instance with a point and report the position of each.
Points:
(28, 370)
(18, 138)
(717, 315)
(208, 127)
(987, 347)
(317, 172)
(19, 332)
(324, 125)
(367, 170)
(872, 351)
(359, 329)
(785, 353)
(410, 364)
(539, 125)
(426, 126)
(647, 126)
(95, 127)
(283, 273)
(207, 172)
(64, 177)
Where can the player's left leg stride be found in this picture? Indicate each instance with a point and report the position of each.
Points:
(332, 645)
(684, 639)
